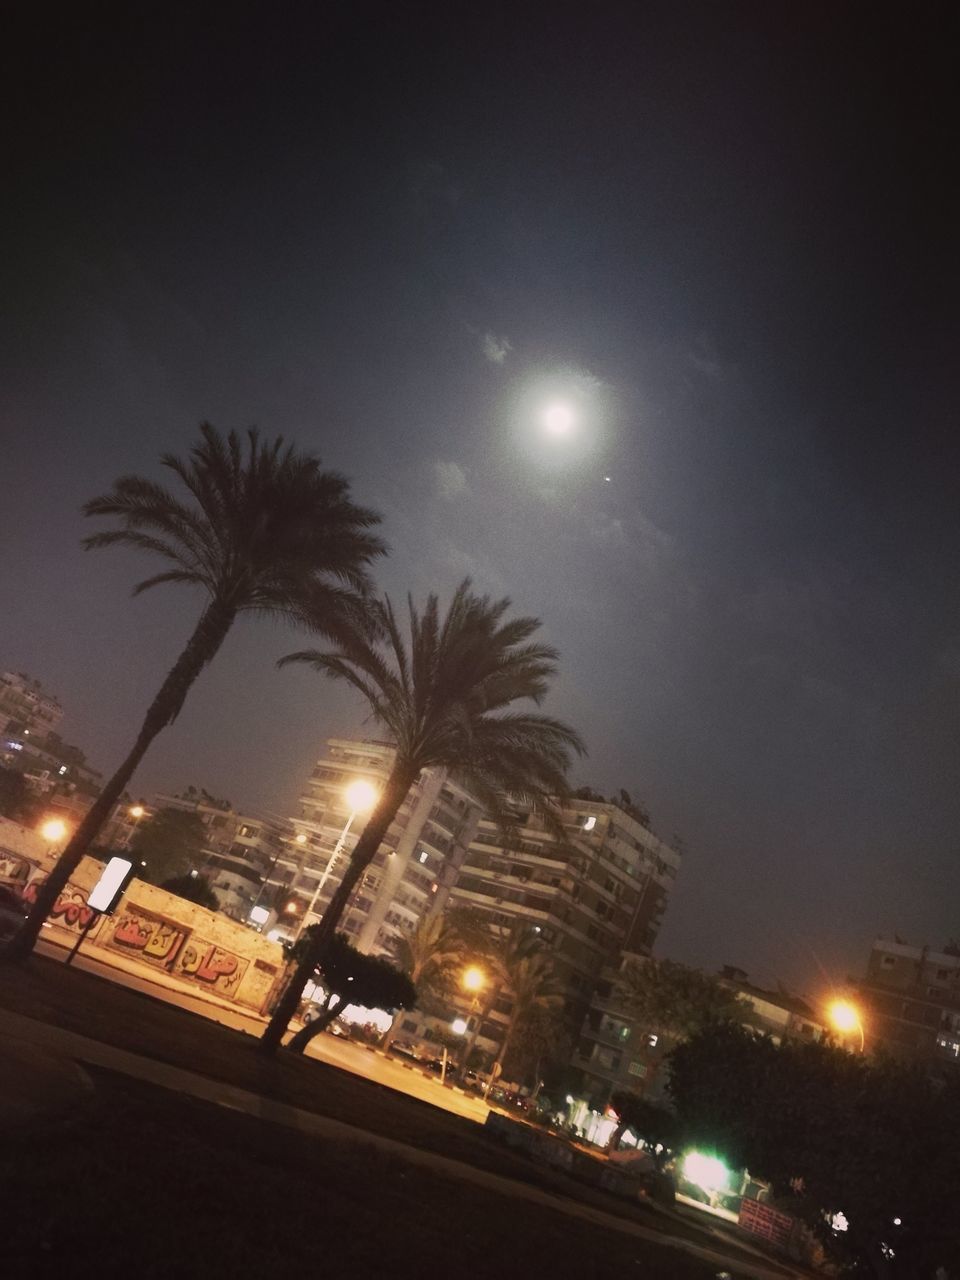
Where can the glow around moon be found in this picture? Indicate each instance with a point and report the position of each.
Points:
(558, 418)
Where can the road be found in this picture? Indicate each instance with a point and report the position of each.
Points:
(336, 1051)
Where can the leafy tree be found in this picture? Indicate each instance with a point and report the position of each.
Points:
(540, 1050)
(445, 699)
(195, 889)
(523, 966)
(432, 955)
(350, 977)
(673, 999)
(529, 973)
(17, 801)
(833, 1132)
(263, 530)
(654, 1124)
(170, 842)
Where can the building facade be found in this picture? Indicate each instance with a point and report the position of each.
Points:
(239, 852)
(26, 708)
(618, 1052)
(410, 876)
(56, 771)
(910, 1002)
(597, 891)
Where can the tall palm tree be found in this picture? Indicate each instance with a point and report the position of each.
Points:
(518, 962)
(263, 529)
(527, 970)
(431, 955)
(444, 698)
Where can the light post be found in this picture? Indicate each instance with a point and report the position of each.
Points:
(301, 839)
(845, 1017)
(361, 796)
(474, 980)
(136, 812)
(53, 831)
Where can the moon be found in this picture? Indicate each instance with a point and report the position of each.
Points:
(558, 419)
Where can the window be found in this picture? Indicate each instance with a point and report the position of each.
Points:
(637, 1069)
(887, 962)
(608, 1059)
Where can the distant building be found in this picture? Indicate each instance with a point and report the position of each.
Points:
(776, 1014)
(412, 872)
(240, 850)
(616, 1051)
(26, 709)
(601, 890)
(910, 1001)
(55, 770)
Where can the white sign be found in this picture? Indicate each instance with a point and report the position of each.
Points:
(111, 878)
(259, 915)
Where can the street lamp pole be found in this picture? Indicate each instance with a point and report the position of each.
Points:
(361, 795)
(337, 850)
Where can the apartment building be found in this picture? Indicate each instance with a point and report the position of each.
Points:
(599, 890)
(239, 853)
(616, 1052)
(910, 1001)
(26, 708)
(411, 874)
(55, 770)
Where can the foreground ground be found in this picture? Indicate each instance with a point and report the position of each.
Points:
(146, 1180)
(187, 1187)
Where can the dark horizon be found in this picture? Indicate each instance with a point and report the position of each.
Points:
(719, 233)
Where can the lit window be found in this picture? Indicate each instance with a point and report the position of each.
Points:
(589, 823)
(423, 855)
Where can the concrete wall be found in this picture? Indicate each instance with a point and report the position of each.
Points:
(153, 931)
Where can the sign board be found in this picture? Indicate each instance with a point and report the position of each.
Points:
(104, 894)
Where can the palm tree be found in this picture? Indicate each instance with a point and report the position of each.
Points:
(528, 971)
(519, 963)
(433, 952)
(674, 1000)
(444, 698)
(262, 530)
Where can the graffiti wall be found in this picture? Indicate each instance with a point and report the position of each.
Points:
(70, 911)
(172, 946)
(168, 935)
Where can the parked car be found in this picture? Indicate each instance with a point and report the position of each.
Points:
(12, 911)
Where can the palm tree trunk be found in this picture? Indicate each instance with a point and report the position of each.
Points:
(398, 784)
(209, 634)
(311, 1029)
(498, 1061)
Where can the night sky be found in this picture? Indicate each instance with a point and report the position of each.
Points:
(719, 233)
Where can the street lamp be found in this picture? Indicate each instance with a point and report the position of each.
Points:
(53, 830)
(136, 812)
(361, 795)
(845, 1017)
(473, 980)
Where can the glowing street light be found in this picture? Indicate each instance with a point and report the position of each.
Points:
(474, 979)
(362, 796)
(136, 811)
(54, 830)
(845, 1018)
(459, 1026)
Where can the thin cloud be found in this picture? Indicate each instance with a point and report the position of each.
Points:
(450, 479)
(495, 349)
